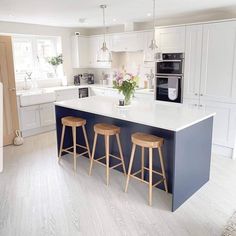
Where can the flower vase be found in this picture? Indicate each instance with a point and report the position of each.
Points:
(127, 98)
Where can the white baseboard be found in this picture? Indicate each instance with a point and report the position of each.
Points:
(27, 133)
(223, 151)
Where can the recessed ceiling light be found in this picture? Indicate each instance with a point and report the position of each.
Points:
(114, 20)
(10, 15)
(149, 14)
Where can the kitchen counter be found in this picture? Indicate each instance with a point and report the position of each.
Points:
(169, 116)
(53, 89)
(187, 135)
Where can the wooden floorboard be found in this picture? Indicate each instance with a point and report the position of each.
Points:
(40, 197)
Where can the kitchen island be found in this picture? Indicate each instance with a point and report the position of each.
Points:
(187, 133)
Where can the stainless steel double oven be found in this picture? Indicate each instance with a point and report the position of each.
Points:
(169, 78)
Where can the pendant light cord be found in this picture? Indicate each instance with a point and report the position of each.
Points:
(104, 24)
(154, 18)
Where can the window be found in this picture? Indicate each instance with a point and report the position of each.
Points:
(31, 54)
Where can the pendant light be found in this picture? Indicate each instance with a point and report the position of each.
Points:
(153, 54)
(104, 55)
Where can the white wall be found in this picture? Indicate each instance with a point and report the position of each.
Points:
(9, 28)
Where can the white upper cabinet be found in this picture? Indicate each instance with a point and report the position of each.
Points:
(80, 48)
(127, 42)
(218, 72)
(171, 39)
(192, 68)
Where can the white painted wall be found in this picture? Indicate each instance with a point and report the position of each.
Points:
(9, 28)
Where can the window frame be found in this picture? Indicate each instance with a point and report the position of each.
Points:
(56, 40)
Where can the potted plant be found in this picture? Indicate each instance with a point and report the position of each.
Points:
(126, 84)
(55, 62)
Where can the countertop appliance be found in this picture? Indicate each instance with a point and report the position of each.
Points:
(77, 79)
(169, 78)
(88, 78)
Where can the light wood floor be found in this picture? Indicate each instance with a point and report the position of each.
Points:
(40, 197)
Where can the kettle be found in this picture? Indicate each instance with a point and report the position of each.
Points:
(18, 140)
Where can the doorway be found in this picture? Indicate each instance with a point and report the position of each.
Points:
(7, 78)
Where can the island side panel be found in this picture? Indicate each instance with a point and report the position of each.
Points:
(192, 160)
(127, 129)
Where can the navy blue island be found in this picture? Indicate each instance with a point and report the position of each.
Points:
(187, 133)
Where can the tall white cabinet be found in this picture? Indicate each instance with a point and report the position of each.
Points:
(210, 77)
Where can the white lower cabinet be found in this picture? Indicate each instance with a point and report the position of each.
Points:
(29, 117)
(36, 119)
(224, 128)
(47, 114)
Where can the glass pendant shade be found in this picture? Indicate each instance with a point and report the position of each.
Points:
(152, 53)
(104, 55)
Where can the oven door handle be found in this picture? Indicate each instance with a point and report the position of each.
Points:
(169, 77)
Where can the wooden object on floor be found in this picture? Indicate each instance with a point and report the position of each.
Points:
(74, 122)
(7, 77)
(150, 142)
(107, 130)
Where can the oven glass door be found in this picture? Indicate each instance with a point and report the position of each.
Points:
(169, 88)
(169, 67)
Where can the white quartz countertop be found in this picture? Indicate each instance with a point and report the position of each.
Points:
(174, 117)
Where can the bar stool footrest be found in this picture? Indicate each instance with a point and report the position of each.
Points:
(144, 181)
(78, 154)
(103, 157)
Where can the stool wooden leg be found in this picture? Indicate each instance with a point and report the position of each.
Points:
(163, 169)
(74, 144)
(130, 167)
(121, 153)
(86, 141)
(62, 141)
(107, 157)
(150, 176)
(142, 163)
(93, 153)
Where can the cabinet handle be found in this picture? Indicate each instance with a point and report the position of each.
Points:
(200, 105)
(196, 94)
(195, 105)
(201, 94)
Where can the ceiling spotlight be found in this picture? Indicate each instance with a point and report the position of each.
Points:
(114, 20)
(149, 14)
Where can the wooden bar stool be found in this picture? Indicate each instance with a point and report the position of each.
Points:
(150, 142)
(74, 122)
(107, 130)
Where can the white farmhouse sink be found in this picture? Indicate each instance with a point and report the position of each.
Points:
(36, 97)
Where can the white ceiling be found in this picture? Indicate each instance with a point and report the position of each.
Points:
(68, 12)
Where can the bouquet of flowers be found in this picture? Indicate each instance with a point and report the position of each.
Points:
(125, 83)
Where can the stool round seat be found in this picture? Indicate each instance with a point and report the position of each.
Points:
(73, 121)
(147, 140)
(106, 129)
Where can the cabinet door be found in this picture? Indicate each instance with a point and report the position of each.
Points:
(127, 42)
(67, 94)
(98, 92)
(47, 114)
(171, 39)
(193, 53)
(30, 118)
(223, 123)
(80, 57)
(218, 61)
